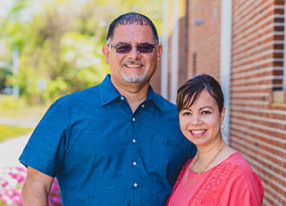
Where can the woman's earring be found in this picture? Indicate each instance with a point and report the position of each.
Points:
(222, 126)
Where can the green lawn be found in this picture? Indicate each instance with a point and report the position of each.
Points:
(12, 108)
(9, 132)
(19, 108)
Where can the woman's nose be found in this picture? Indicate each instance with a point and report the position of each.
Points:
(196, 119)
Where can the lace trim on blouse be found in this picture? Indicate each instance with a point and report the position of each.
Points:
(211, 190)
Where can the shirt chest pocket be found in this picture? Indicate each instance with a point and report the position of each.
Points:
(165, 154)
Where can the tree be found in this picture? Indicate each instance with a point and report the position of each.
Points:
(61, 42)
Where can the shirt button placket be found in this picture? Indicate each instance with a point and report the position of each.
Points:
(134, 163)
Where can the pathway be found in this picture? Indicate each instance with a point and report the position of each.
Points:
(11, 150)
(19, 122)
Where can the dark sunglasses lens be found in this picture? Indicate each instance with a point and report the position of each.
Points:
(124, 48)
(145, 48)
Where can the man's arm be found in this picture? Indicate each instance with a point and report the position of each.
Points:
(36, 188)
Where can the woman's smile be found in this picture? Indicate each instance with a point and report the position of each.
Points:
(198, 133)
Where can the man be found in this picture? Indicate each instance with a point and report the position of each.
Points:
(117, 143)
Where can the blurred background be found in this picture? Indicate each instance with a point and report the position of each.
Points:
(49, 48)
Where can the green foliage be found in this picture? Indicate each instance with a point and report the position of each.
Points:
(18, 108)
(9, 131)
(2, 78)
(9, 103)
(60, 43)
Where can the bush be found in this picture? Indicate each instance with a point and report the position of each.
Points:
(8, 102)
(11, 182)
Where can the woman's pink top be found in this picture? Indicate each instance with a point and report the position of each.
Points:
(232, 183)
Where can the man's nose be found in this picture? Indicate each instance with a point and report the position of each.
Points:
(134, 53)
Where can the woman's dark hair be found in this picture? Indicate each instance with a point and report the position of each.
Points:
(188, 93)
(131, 18)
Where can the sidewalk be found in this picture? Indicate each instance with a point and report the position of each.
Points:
(19, 122)
(11, 150)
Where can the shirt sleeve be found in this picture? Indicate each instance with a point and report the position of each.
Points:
(45, 148)
(243, 188)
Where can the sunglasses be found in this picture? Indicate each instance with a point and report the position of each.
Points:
(124, 48)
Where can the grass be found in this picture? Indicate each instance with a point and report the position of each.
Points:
(19, 109)
(8, 132)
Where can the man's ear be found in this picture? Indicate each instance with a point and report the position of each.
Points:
(105, 50)
(159, 52)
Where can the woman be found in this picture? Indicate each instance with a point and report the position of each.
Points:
(217, 175)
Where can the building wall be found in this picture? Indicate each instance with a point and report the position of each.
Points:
(257, 102)
(183, 50)
(204, 37)
(155, 80)
(258, 127)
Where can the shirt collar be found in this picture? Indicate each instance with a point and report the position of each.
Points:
(108, 93)
(155, 98)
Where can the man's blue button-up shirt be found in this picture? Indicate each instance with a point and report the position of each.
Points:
(104, 154)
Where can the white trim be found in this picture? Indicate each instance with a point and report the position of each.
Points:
(15, 68)
(174, 63)
(164, 61)
(225, 60)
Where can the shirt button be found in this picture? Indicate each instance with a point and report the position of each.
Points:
(133, 119)
(122, 98)
(135, 184)
(134, 163)
(143, 105)
(134, 140)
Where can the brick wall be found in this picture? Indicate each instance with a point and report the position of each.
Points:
(257, 104)
(156, 79)
(183, 50)
(204, 38)
(258, 128)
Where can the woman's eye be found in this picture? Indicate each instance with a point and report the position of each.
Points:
(206, 112)
(186, 113)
